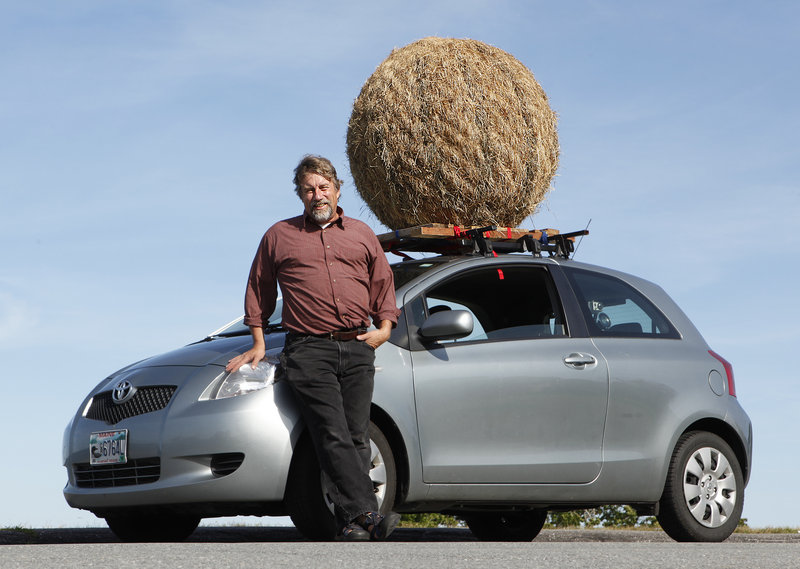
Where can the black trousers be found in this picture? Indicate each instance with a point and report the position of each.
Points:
(333, 383)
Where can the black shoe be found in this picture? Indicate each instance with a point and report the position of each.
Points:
(353, 532)
(380, 527)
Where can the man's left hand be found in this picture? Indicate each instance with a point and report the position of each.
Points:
(378, 336)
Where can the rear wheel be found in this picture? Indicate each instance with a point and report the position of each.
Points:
(310, 507)
(151, 527)
(704, 493)
(506, 526)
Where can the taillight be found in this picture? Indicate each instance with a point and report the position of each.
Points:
(728, 371)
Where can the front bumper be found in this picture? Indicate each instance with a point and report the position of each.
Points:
(187, 440)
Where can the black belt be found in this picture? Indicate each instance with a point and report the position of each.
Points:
(338, 335)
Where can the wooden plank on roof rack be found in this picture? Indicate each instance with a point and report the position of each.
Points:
(444, 231)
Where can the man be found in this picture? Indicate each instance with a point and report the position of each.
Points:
(334, 277)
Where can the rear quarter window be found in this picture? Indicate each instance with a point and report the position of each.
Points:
(613, 308)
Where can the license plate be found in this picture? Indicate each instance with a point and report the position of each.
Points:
(108, 447)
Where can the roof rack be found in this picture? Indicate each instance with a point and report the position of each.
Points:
(446, 239)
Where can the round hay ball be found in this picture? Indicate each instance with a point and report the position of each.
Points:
(452, 131)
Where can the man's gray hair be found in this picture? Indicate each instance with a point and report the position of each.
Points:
(313, 164)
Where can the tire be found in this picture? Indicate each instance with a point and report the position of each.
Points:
(151, 527)
(704, 492)
(311, 509)
(507, 526)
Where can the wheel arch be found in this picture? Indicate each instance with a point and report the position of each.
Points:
(384, 422)
(729, 435)
(389, 429)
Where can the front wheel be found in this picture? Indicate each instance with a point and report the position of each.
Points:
(704, 493)
(506, 526)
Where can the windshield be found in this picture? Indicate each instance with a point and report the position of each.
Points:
(407, 271)
(238, 328)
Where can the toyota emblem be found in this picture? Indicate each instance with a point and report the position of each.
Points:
(123, 391)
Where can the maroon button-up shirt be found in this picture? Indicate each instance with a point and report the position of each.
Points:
(331, 279)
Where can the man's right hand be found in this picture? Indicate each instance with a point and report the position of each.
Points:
(251, 356)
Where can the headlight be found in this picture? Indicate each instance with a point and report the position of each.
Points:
(246, 380)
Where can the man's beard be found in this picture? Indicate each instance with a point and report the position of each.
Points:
(321, 215)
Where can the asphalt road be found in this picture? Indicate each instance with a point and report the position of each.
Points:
(253, 547)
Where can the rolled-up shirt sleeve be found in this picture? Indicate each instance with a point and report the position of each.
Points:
(262, 291)
(382, 303)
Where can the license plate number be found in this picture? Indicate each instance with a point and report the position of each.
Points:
(108, 447)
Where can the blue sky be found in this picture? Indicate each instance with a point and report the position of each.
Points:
(146, 146)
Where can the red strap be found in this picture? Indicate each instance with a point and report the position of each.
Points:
(500, 274)
(508, 232)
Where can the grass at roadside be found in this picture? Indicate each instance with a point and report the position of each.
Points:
(768, 529)
(429, 521)
(20, 529)
(441, 520)
(26, 535)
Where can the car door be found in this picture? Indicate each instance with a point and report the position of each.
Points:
(516, 401)
(655, 375)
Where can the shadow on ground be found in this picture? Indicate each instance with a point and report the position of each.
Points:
(251, 534)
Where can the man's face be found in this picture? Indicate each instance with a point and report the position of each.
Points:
(319, 196)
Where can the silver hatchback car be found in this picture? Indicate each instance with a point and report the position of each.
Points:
(513, 385)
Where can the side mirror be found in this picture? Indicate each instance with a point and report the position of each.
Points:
(447, 325)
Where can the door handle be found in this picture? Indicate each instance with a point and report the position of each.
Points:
(579, 361)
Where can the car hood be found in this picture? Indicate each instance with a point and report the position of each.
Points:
(209, 352)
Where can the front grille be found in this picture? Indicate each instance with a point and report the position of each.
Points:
(224, 464)
(139, 471)
(145, 400)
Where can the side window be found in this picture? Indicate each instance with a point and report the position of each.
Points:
(506, 302)
(613, 308)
